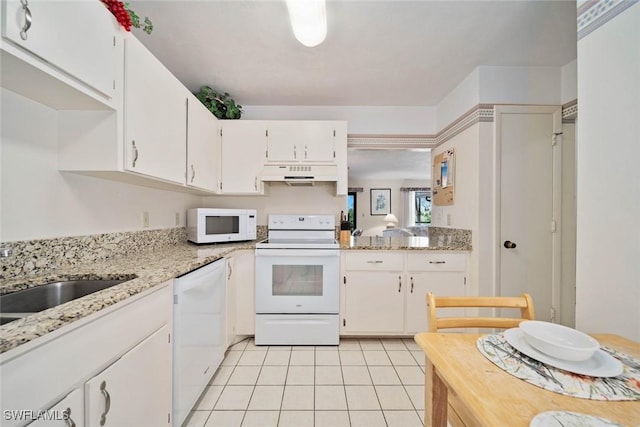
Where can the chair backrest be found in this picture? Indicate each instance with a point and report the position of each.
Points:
(523, 302)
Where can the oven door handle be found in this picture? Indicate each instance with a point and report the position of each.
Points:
(297, 252)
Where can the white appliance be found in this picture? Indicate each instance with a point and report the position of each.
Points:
(300, 175)
(199, 334)
(297, 282)
(213, 225)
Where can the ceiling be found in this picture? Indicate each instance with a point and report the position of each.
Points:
(390, 164)
(377, 53)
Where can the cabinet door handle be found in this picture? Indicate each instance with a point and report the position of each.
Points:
(375, 262)
(27, 19)
(67, 418)
(399, 283)
(230, 271)
(134, 150)
(437, 262)
(193, 173)
(295, 153)
(411, 284)
(255, 183)
(107, 403)
(305, 152)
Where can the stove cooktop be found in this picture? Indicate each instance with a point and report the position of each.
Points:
(298, 244)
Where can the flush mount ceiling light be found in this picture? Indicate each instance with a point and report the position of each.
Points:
(308, 20)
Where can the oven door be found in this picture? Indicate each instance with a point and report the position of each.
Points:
(297, 281)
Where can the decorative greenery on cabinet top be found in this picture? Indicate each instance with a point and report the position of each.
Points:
(220, 104)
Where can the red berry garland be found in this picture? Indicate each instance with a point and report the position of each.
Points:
(118, 10)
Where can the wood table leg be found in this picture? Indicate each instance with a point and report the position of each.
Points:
(435, 398)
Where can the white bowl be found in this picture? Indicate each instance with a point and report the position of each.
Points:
(559, 341)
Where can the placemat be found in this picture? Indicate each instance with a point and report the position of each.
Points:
(623, 387)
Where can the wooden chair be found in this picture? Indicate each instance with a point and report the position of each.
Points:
(457, 416)
(523, 302)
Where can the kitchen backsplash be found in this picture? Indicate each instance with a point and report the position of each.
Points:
(31, 257)
(445, 236)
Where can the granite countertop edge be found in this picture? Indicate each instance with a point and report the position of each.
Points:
(144, 270)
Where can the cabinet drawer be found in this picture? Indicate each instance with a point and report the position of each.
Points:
(374, 261)
(436, 262)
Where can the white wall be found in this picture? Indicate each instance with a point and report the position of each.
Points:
(501, 85)
(360, 119)
(40, 202)
(373, 225)
(280, 198)
(569, 77)
(608, 178)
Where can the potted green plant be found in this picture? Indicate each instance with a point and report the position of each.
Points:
(220, 104)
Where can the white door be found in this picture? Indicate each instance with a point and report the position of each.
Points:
(527, 194)
(243, 150)
(202, 146)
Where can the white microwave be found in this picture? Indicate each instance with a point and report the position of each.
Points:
(209, 225)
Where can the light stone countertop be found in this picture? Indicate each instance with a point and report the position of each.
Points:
(147, 269)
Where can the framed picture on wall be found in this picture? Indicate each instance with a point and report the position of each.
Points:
(380, 201)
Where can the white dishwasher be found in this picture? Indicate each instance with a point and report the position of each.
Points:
(199, 334)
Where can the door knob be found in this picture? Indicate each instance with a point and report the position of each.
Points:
(509, 245)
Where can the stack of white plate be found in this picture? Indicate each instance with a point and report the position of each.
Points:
(564, 348)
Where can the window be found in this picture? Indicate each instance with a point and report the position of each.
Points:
(351, 209)
(423, 207)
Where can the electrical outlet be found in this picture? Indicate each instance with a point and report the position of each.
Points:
(145, 219)
(177, 218)
(448, 219)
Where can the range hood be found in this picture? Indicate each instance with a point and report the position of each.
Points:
(300, 175)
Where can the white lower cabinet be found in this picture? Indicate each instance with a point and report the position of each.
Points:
(384, 292)
(126, 346)
(133, 390)
(243, 283)
(69, 412)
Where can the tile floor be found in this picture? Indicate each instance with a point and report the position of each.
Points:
(361, 382)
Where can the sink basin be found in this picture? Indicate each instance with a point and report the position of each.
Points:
(28, 301)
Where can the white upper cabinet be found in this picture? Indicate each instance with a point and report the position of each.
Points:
(202, 146)
(243, 144)
(155, 115)
(76, 37)
(301, 141)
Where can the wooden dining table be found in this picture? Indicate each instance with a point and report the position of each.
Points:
(456, 372)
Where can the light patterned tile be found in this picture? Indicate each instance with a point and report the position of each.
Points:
(327, 357)
(328, 375)
(349, 344)
(239, 346)
(356, 375)
(367, 419)
(197, 419)
(411, 344)
(231, 358)
(326, 347)
(403, 419)
(261, 419)
(225, 418)
(418, 356)
(416, 394)
(277, 357)
(244, 375)
(330, 397)
(234, 397)
(272, 375)
(401, 358)
(209, 398)
(266, 397)
(252, 358)
(222, 375)
(352, 358)
(384, 375)
(296, 419)
(371, 344)
(393, 344)
(298, 397)
(332, 419)
(300, 375)
(279, 348)
(393, 397)
(377, 358)
(362, 397)
(306, 358)
(410, 375)
(303, 347)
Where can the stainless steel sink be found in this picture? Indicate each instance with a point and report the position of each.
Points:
(28, 301)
